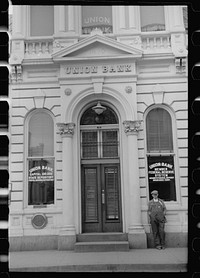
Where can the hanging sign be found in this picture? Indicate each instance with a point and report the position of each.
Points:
(41, 173)
(161, 170)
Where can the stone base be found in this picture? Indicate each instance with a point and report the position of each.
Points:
(33, 243)
(171, 240)
(137, 240)
(66, 242)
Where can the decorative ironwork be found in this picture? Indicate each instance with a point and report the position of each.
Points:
(131, 126)
(66, 128)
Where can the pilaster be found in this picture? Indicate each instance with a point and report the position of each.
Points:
(67, 236)
(136, 232)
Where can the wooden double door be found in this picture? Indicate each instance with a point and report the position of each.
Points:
(101, 198)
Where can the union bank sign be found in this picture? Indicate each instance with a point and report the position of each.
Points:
(96, 17)
(101, 69)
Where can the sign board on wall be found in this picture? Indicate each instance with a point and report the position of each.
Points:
(41, 173)
(161, 169)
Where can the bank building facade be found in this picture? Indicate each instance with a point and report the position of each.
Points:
(97, 120)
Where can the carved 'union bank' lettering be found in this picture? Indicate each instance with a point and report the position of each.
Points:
(95, 69)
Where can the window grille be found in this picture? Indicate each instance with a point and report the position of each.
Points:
(100, 144)
(159, 131)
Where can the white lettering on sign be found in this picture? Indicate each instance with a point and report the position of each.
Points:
(41, 173)
(97, 19)
(163, 164)
(95, 69)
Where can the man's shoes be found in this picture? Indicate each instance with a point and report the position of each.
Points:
(163, 247)
(158, 247)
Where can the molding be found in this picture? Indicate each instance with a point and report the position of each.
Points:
(180, 64)
(158, 94)
(121, 48)
(128, 89)
(131, 127)
(68, 91)
(16, 73)
(66, 129)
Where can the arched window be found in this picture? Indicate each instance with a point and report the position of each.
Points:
(40, 159)
(160, 153)
(99, 134)
(159, 131)
(152, 18)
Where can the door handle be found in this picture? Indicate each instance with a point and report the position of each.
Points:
(102, 197)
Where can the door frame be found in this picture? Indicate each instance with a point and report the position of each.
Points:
(102, 225)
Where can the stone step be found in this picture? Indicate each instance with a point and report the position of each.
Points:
(89, 237)
(101, 246)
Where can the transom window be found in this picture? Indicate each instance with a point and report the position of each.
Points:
(99, 134)
(99, 144)
(99, 17)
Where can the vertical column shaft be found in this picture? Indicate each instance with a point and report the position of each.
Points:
(66, 131)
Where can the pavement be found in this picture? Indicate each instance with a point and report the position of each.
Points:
(134, 260)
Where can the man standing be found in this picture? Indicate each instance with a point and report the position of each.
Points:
(157, 211)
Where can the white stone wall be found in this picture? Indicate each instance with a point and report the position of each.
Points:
(156, 81)
(24, 100)
(171, 91)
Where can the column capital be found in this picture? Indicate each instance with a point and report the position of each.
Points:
(66, 129)
(131, 127)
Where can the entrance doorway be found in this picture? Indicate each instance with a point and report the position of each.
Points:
(101, 198)
(100, 172)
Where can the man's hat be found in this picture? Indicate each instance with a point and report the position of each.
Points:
(154, 192)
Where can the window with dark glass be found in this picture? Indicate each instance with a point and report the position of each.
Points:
(160, 154)
(40, 159)
(99, 134)
(96, 17)
(185, 18)
(4, 145)
(152, 18)
(41, 20)
(4, 107)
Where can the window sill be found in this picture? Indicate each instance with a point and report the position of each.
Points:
(42, 209)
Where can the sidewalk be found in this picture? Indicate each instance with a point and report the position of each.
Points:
(135, 260)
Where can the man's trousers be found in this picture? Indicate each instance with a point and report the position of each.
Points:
(158, 232)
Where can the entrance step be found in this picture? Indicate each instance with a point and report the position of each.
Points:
(96, 237)
(101, 246)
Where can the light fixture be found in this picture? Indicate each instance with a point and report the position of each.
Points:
(99, 109)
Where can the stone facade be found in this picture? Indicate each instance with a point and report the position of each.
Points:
(129, 70)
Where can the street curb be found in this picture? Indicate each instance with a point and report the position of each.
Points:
(181, 267)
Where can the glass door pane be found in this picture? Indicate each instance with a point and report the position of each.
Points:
(90, 195)
(112, 193)
(89, 144)
(110, 143)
